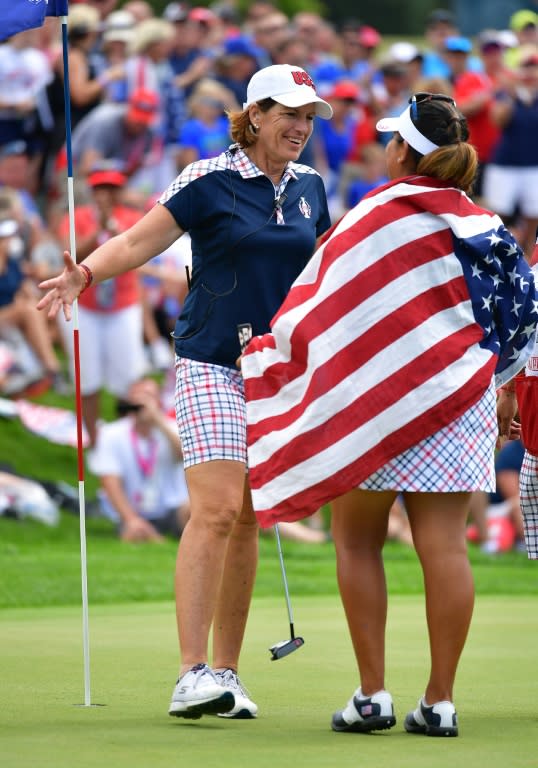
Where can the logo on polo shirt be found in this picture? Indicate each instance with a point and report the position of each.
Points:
(305, 208)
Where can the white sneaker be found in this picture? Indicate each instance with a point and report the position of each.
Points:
(244, 708)
(438, 719)
(198, 692)
(365, 713)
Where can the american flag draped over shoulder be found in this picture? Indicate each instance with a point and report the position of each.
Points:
(394, 329)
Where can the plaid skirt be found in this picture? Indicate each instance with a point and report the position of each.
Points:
(528, 492)
(459, 457)
(210, 412)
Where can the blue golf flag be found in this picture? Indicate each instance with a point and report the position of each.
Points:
(28, 14)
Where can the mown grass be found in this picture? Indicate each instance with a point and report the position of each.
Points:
(40, 565)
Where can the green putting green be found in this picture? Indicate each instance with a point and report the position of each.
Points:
(133, 661)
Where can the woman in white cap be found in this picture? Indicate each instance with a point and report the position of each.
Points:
(253, 214)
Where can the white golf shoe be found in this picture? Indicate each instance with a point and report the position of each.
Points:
(199, 692)
(439, 719)
(244, 708)
(365, 713)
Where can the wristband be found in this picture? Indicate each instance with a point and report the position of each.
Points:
(87, 274)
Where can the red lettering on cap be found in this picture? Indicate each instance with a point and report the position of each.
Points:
(303, 78)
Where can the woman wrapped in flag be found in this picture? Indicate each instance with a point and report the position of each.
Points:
(380, 377)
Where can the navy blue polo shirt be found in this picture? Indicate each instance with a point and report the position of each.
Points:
(245, 252)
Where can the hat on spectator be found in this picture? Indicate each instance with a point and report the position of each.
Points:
(176, 12)
(456, 44)
(508, 38)
(106, 172)
(143, 107)
(524, 18)
(241, 46)
(119, 27)
(202, 15)
(288, 85)
(8, 227)
(404, 52)
(149, 32)
(368, 37)
(490, 38)
(440, 16)
(346, 90)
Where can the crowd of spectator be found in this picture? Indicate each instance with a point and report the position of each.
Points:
(148, 95)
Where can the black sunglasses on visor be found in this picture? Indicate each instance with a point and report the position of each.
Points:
(416, 98)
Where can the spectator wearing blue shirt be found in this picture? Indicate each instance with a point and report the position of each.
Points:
(440, 25)
(206, 133)
(239, 59)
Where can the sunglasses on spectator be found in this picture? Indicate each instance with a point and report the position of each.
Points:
(416, 98)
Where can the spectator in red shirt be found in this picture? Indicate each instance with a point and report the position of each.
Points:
(473, 93)
(110, 314)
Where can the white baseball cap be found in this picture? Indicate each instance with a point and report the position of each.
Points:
(289, 86)
(408, 131)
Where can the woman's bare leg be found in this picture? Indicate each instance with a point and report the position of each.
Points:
(359, 527)
(438, 522)
(216, 495)
(234, 596)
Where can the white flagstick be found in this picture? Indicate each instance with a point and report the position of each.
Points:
(76, 357)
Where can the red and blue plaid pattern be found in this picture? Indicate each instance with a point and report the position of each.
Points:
(528, 490)
(210, 412)
(459, 457)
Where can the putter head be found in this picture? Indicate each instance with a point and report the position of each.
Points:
(284, 648)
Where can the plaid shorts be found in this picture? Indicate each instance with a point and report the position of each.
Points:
(528, 491)
(459, 457)
(210, 412)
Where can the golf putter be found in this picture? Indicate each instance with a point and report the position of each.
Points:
(285, 647)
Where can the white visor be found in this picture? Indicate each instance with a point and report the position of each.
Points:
(408, 131)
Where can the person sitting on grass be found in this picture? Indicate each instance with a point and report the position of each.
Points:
(139, 463)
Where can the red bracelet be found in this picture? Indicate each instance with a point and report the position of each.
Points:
(88, 276)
